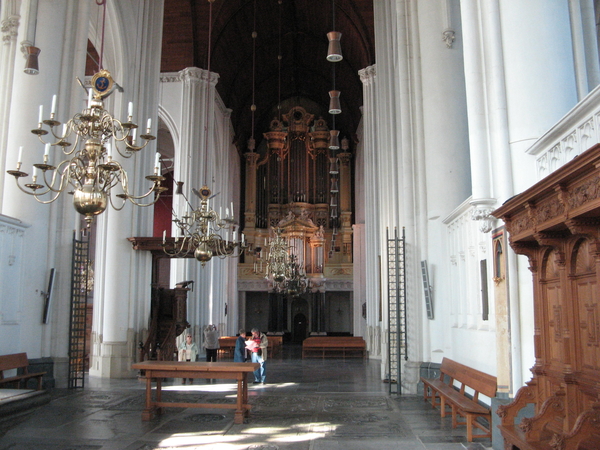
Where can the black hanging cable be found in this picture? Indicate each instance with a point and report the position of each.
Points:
(279, 58)
(254, 36)
(103, 4)
(208, 79)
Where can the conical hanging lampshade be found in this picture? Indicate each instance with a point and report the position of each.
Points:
(333, 166)
(334, 102)
(31, 63)
(334, 51)
(334, 140)
(334, 185)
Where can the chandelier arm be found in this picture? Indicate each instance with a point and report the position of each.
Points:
(121, 132)
(76, 172)
(30, 191)
(178, 250)
(62, 173)
(115, 207)
(45, 202)
(75, 144)
(141, 197)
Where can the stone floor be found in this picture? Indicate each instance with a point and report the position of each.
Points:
(307, 404)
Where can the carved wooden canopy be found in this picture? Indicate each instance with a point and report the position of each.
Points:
(565, 202)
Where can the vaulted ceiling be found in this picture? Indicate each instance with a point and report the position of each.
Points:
(296, 30)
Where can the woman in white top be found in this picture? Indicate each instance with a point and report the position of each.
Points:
(188, 351)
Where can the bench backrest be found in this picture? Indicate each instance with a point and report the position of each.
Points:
(227, 340)
(14, 361)
(476, 380)
(326, 339)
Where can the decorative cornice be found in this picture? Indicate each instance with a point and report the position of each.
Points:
(170, 77)
(262, 285)
(195, 74)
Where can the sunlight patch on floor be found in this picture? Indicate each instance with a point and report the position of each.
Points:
(189, 440)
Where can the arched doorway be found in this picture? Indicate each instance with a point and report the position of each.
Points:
(299, 329)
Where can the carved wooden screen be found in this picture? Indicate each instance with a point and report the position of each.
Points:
(586, 342)
(556, 224)
(552, 317)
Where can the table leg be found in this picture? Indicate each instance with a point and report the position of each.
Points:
(148, 413)
(239, 412)
(159, 394)
(245, 393)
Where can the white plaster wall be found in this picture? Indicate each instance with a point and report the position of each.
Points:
(539, 73)
(447, 169)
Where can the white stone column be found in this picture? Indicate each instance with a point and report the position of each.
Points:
(475, 79)
(446, 158)
(536, 36)
(206, 156)
(369, 199)
(534, 103)
(585, 45)
(122, 291)
(50, 234)
(9, 26)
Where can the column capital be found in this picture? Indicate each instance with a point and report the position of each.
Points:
(367, 74)
(195, 75)
(10, 27)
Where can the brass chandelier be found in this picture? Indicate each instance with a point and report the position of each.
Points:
(89, 167)
(199, 232)
(284, 272)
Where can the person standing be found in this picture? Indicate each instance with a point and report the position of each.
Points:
(258, 351)
(211, 342)
(239, 353)
(188, 350)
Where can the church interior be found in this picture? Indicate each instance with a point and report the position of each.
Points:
(405, 190)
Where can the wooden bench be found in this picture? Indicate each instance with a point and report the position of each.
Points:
(344, 346)
(227, 345)
(275, 344)
(19, 362)
(450, 389)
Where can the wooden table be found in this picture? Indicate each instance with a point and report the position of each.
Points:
(157, 370)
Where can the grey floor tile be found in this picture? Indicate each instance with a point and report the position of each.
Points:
(307, 405)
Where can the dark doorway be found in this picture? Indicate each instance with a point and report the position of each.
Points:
(300, 327)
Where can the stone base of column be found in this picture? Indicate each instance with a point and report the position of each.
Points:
(410, 376)
(113, 361)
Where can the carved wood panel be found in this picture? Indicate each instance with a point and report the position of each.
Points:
(557, 223)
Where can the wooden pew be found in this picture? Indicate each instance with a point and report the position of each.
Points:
(450, 390)
(334, 346)
(275, 344)
(19, 362)
(227, 345)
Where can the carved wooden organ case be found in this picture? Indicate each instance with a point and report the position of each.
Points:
(556, 224)
(295, 183)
